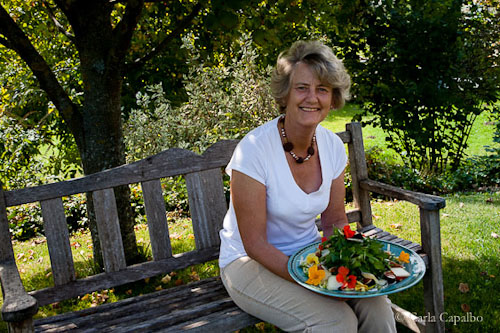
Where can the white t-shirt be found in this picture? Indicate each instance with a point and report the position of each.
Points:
(291, 212)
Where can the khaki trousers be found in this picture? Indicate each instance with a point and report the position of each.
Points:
(294, 308)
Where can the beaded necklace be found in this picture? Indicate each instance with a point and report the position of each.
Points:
(288, 146)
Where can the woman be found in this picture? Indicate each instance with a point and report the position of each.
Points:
(284, 174)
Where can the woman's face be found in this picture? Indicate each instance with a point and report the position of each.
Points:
(309, 100)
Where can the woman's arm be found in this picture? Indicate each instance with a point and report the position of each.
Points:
(334, 215)
(249, 201)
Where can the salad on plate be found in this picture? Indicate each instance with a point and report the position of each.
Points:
(348, 261)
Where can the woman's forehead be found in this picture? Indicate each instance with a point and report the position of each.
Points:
(304, 73)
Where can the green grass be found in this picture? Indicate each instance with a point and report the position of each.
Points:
(481, 134)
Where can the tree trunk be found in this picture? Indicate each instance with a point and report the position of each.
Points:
(102, 144)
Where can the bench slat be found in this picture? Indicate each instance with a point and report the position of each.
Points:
(133, 311)
(157, 219)
(207, 204)
(132, 273)
(108, 228)
(171, 162)
(56, 232)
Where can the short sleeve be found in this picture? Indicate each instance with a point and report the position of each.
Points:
(249, 159)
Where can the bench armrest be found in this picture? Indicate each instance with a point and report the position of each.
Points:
(18, 305)
(425, 201)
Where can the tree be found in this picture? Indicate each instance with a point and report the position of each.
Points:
(100, 33)
(90, 57)
(425, 70)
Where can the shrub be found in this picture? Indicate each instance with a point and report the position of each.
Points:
(224, 102)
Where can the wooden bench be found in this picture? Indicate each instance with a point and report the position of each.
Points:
(199, 306)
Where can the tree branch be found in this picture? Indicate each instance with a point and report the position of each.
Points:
(183, 24)
(125, 28)
(58, 25)
(20, 43)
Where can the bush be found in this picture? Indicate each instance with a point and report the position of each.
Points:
(224, 102)
(475, 173)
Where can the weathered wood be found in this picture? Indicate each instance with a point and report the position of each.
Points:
(157, 219)
(6, 250)
(132, 273)
(108, 228)
(171, 162)
(138, 309)
(207, 204)
(230, 319)
(426, 201)
(24, 326)
(408, 319)
(344, 136)
(56, 232)
(359, 172)
(433, 279)
(17, 304)
(353, 215)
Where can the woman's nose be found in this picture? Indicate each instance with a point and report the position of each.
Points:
(311, 94)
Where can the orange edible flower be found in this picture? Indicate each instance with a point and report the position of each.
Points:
(348, 233)
(347, 281)
(315, 275)
(404, 257)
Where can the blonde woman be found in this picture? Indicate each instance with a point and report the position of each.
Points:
(284, 174)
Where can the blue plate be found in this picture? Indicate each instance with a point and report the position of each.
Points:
(416, 268)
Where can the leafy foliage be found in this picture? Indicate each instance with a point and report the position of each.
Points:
(427, 70)
(366, 256)
(224, 102)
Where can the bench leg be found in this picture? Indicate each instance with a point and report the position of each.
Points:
(433, 279)
(25, 326)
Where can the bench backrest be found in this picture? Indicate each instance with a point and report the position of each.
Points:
(207, 202)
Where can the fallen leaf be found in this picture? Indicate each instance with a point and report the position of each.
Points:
(195, 276)
(20, 256)
(55, 305)
(396, 226)
(159, 288)
(376, 217)
(190, 236)
(146, 280)
(465, 307)
(85, 297)
(463, 287)
(166, 279)
(129, 292)
(489, 200)
(39, 260)
(494, 235)
(178, 282)
(462, 205)
(445, 215)
(48, 274)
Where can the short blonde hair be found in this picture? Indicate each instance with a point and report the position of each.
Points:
(320, 58)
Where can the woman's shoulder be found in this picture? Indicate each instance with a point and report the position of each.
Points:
(261, 134)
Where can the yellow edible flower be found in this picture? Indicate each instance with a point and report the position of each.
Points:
(312, 259)
(315, 275)
(404, 257)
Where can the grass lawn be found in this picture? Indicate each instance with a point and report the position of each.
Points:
(481, 134)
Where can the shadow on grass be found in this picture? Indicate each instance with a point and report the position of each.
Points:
(474, 307)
